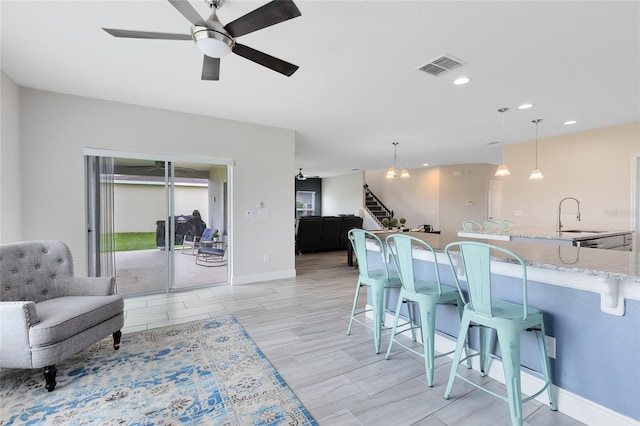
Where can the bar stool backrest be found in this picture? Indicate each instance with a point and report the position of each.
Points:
(401, 250)
(475, 259)
(359, 239)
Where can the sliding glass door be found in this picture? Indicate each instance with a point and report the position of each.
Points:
(159, 207)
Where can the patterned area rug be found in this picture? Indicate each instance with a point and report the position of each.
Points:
(204, 372)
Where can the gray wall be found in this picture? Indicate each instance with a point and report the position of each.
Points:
(55, 128)
(10, 193)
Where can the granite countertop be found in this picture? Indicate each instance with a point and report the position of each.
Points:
(544, 233)
(612, 264)
(550, 233)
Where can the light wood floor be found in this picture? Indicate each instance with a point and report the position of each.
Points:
(300, 326)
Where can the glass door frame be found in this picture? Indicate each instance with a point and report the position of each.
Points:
(170, 161)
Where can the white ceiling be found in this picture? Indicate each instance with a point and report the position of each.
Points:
(357, 89)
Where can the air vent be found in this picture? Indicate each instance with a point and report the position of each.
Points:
(440, 65)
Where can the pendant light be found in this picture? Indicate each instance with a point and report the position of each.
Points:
(502, 170)
(391, 172)
(535, 173)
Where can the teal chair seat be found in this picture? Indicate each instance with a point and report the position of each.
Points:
(378, 281)
(425, 294)
(508, 319)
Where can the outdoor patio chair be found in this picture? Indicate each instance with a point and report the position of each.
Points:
(194, 242)
(211, 254)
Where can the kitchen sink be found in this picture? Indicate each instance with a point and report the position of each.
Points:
(581, 231)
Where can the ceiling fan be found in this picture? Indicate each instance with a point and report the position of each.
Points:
(215, 40)
(156, 169)
(301, 176)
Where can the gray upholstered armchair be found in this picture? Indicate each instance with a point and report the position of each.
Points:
(47, 314)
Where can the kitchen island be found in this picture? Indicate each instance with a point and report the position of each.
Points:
(591, 303)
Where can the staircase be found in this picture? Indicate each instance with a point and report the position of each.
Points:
(376, 208)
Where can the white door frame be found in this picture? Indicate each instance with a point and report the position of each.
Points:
(181, 159)
(634, 216)
(494, 185)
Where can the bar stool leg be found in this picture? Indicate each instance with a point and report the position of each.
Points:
(485, 346)
(353, 309)
(377, 298)
(396, 318)
(545, 365)
(427, 327)
(509, 341)
(460, 345)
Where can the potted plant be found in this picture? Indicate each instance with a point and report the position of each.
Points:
(216, 236)
(402, 222)
(385, 222)
(394, 222)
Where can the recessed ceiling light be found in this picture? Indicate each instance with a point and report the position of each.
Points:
(525, 106)
(570, 122)
(461, 80)
(425, 164)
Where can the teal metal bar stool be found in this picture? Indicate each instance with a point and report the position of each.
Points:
(507, 318)
(426, 294)
(470, 225)
(491, 226)
(377, 280)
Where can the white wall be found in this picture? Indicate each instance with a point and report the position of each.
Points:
(55, 128)
(10, 166)
(342, 194)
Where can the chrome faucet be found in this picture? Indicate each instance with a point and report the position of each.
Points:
(559, 224)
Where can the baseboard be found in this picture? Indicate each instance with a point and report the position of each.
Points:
(575, 406)
(269, 276)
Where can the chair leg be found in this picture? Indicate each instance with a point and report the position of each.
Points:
(545, 365)
(460, 345)
(412, 322)
(396, 318)
(377, 298)
(353, 309)
(50, 377)
(460, 307)
(428, 327)
(116, 339)
(509, 341)
(485, 347)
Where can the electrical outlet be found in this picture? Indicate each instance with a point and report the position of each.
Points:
(551, 346)
(266, 258)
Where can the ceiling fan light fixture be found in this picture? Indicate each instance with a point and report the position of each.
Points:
(212, 43)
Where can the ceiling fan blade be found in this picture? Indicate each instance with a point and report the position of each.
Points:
(147, 34)
(265, 60)
(270, 14)
(185, 8)
(211, 68)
